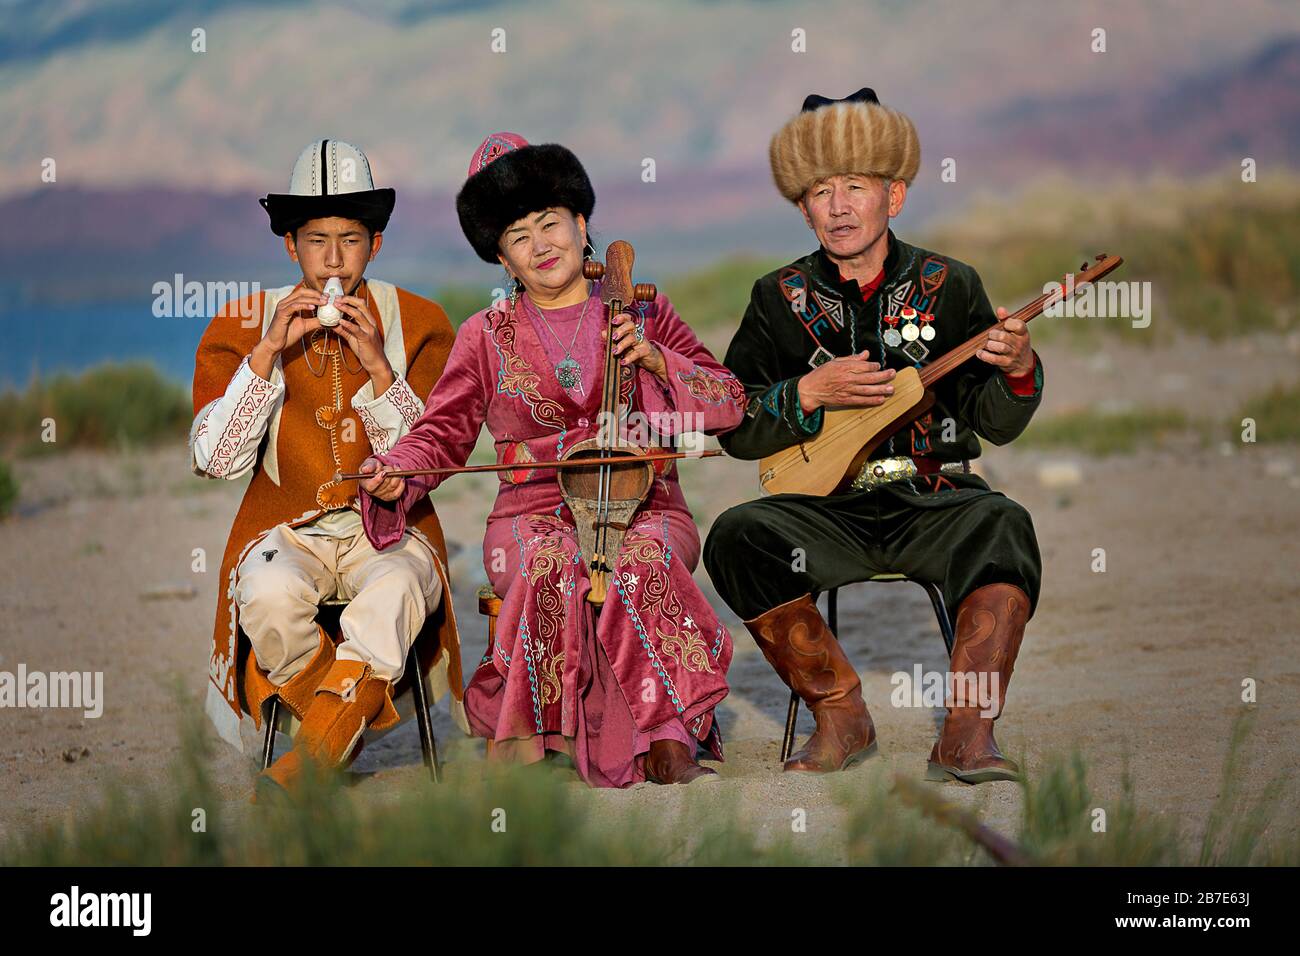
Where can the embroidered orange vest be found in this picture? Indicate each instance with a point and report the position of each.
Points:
(326, 435)
(319, 433)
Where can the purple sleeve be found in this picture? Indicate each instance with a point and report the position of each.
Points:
(443, 437)
(702, 392)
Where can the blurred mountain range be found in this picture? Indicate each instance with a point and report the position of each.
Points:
(161, 151)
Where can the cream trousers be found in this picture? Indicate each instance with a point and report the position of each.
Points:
(285, 577)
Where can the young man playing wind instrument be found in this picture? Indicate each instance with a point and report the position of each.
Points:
(294, 385)
(832, 330)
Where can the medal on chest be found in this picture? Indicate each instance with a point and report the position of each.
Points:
(912, 327)
(891, 335)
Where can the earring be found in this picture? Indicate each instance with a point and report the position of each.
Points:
(514, 287)
(588, 250)
(514, 294)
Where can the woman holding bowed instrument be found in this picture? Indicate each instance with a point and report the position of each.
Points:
(625, 687)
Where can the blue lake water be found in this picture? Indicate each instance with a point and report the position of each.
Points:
(42, 340)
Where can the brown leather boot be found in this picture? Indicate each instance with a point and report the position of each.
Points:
(348, 701)
(990, 626)
(801, 648)
(670, 761)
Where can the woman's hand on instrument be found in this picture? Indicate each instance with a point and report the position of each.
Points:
(632, 348)
(853, 381)
(1008, 347)
(381, 485)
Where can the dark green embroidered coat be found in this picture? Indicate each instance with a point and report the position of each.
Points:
(803, 314)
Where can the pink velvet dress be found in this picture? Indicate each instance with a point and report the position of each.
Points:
(652, 663)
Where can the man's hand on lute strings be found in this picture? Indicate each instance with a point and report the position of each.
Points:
(1008, 347)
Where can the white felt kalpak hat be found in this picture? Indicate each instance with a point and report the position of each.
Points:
(330, 178)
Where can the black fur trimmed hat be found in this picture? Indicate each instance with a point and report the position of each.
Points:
(508, 179)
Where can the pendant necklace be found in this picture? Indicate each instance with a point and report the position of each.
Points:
(568, 372)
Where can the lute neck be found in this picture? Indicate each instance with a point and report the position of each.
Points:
(952, 359)
(1101, 267)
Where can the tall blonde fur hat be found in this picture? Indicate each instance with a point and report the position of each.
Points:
(834, 137)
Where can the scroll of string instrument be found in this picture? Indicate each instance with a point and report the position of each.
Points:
(604, 497)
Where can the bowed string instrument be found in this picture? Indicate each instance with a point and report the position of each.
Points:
(605, 479)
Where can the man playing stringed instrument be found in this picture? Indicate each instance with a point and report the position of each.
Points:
(832, 330)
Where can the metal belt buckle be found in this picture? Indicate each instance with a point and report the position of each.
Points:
(882, 471)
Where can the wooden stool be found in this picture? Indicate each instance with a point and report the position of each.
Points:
(489, 605)
(833, 619)
(428, 746)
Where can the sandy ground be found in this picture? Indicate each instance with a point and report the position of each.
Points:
(1144, 661)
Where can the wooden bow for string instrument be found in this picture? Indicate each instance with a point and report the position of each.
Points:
(604, 479)
(653, 456)
(828, 462)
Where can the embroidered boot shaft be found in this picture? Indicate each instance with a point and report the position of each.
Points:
(990, 626)
(801, 648)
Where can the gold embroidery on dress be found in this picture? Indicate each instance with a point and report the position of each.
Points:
(546, 572)
(683, 644)
(547, 559)
(551, 669)
(687, 648)
(517, 377)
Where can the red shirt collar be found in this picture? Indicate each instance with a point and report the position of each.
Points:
(870, 288)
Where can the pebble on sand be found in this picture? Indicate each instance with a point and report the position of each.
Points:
(1059, 474)
(161, 592)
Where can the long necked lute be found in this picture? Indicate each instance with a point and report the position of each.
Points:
(828, 462)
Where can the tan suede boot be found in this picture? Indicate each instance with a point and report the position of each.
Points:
(990, 626)
(671, 761)
(296, 693)
(348, 701)
(801, 648)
